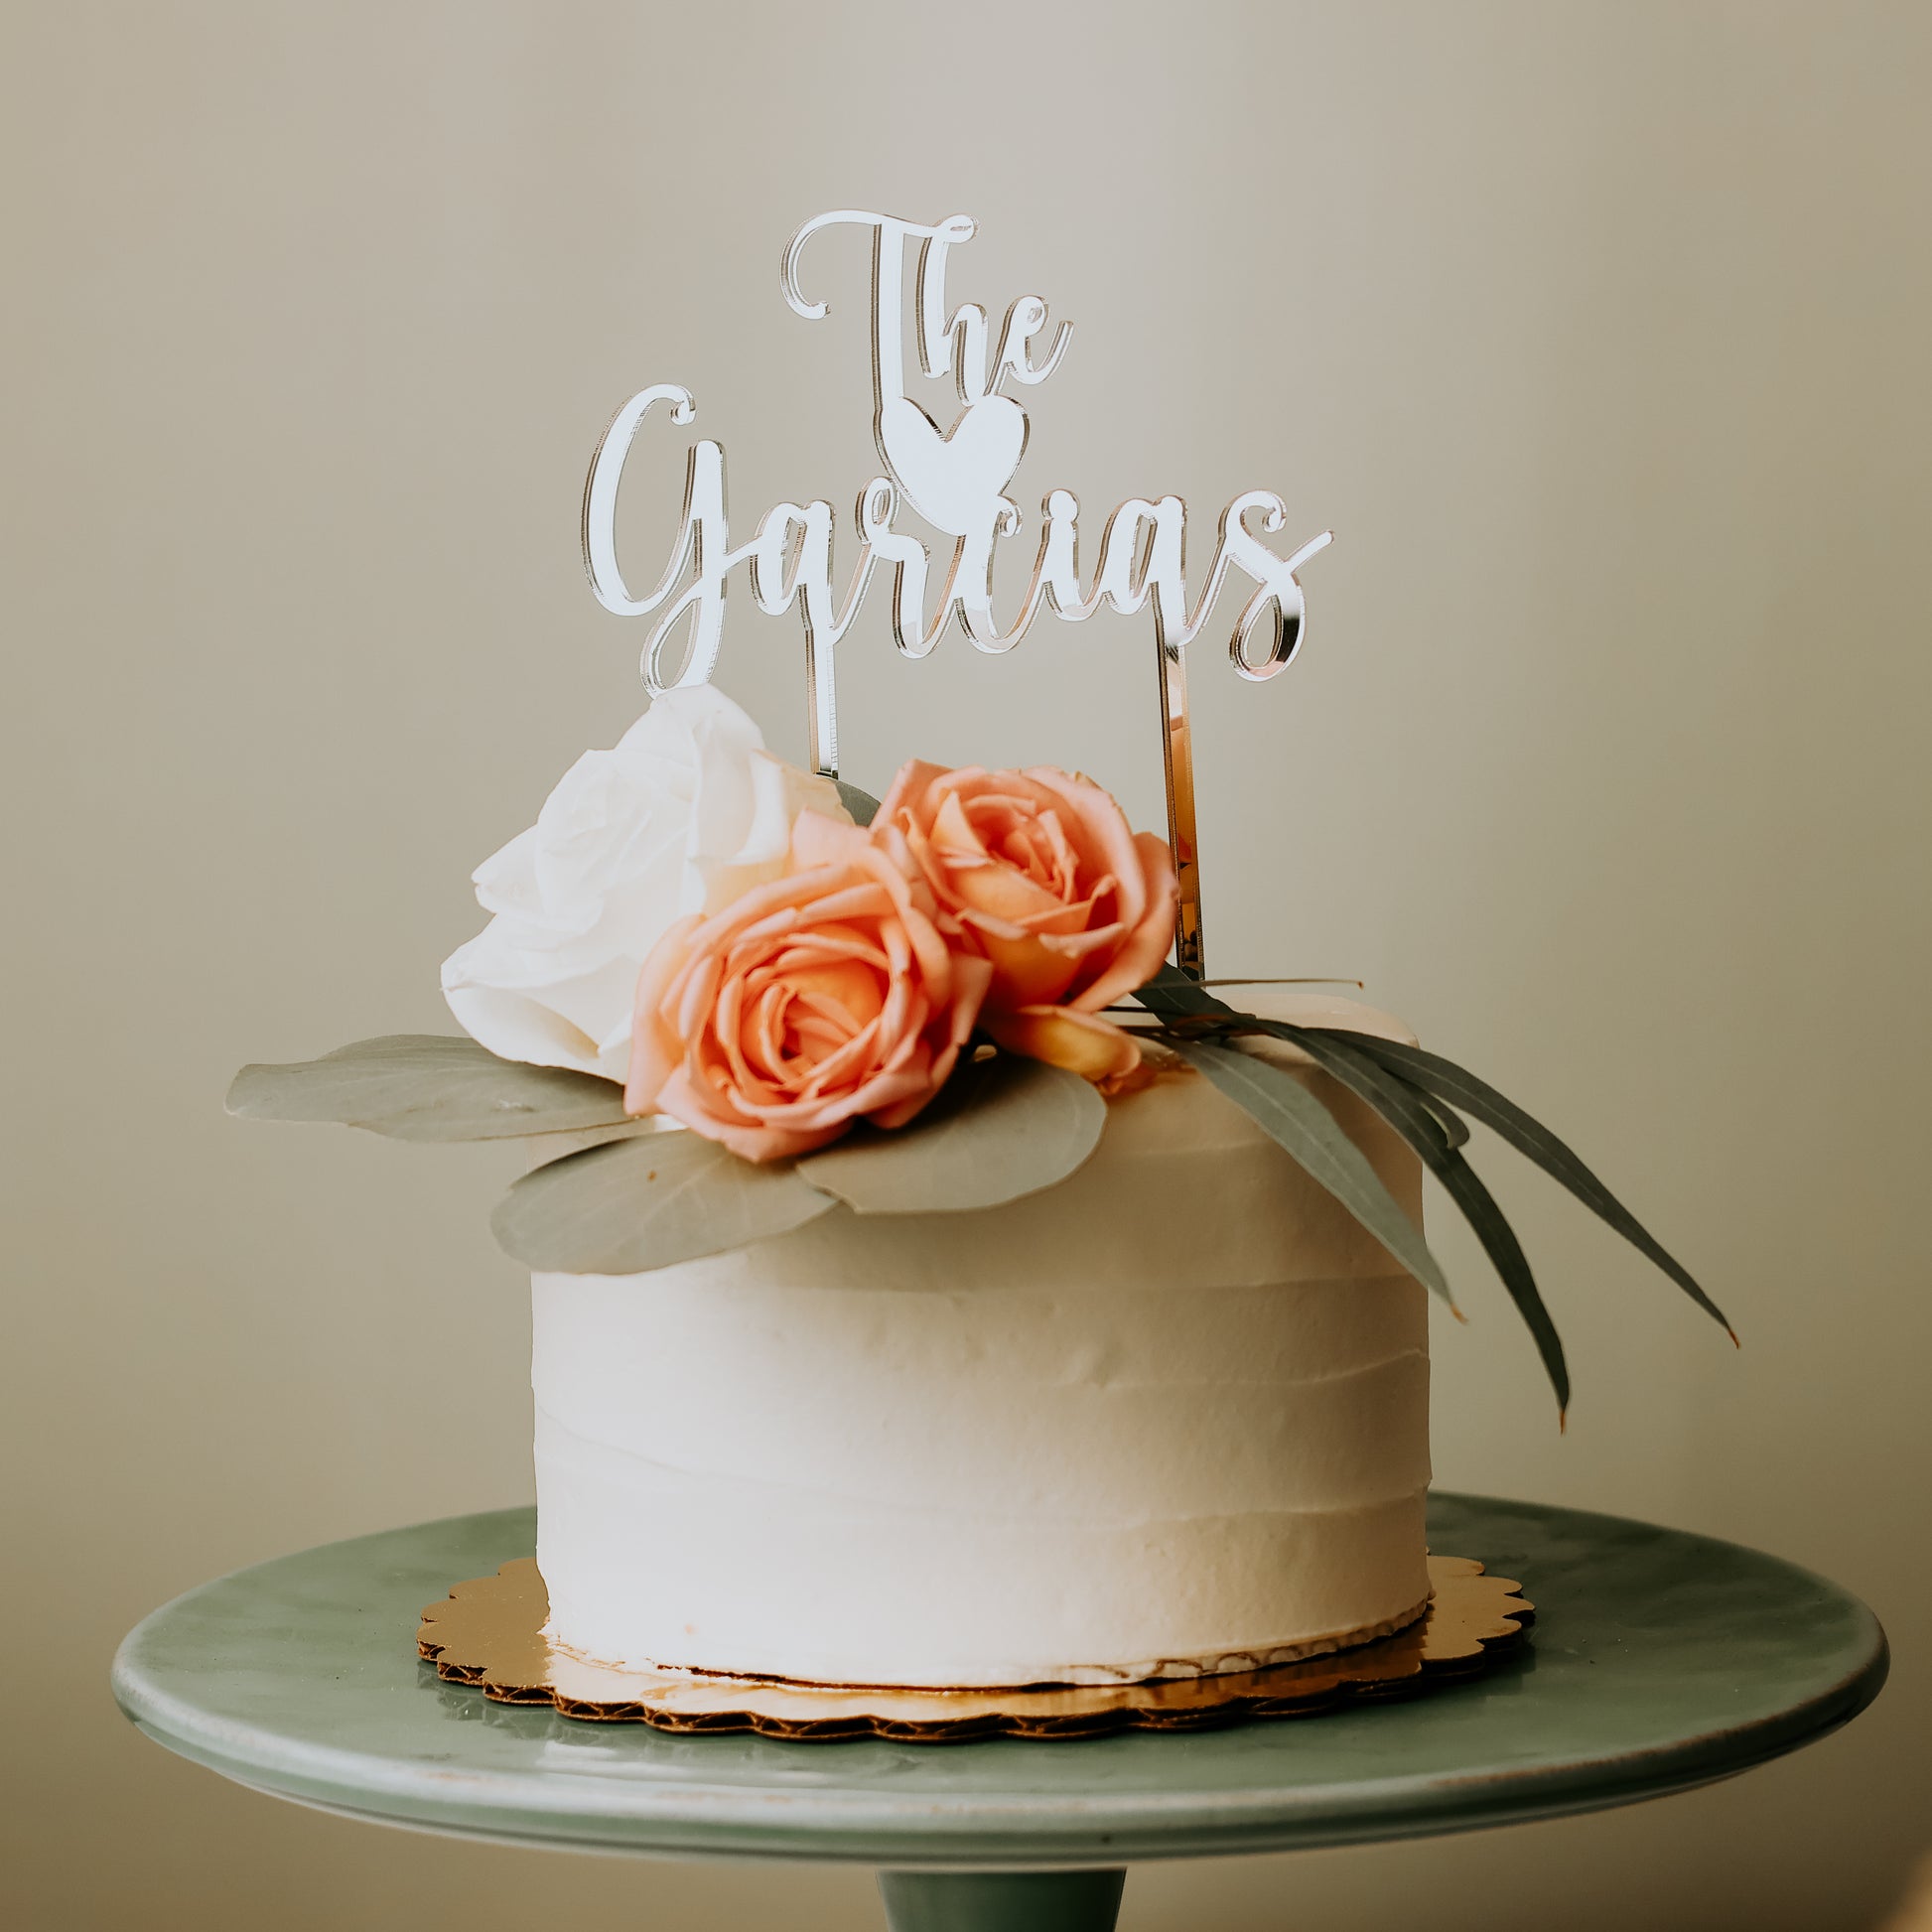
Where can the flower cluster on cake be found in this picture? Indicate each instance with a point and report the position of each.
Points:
(932, 1284)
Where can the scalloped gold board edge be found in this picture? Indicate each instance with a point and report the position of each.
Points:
(489, 1633)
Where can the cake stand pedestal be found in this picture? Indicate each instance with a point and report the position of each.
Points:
(1658, 1661)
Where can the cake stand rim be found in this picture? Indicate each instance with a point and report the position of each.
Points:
(1023, 1822)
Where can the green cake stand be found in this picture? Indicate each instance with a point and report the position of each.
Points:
(1658, 1661)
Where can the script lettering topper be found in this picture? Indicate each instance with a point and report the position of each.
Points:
(954, 481)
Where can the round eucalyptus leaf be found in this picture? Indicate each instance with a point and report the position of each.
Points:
(634, 1204)
(1002, 1127)
(429, 1087)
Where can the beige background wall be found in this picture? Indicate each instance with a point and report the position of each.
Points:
(1597, 331)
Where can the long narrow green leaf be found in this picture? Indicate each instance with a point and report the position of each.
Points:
(1173, 994)
(1413, 1091)
(1297, 1121)
(1505, 1253)
(1458, 1087)
(1394, 1098)
(1409, 1111)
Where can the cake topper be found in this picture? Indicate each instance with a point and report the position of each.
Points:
(955, 481)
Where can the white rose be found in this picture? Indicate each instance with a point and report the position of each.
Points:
(687, 812)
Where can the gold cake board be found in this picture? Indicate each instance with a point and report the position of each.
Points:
(489, 1633)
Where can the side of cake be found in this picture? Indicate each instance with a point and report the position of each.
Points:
(1168, 1416)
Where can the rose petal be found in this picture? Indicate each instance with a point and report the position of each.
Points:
(654, 1047)
(748, 1139)
(1142, 951)
(1082, 1042)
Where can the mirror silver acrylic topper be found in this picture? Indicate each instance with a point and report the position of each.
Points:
(954, 481)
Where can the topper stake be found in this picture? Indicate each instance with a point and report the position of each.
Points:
(1178, 768)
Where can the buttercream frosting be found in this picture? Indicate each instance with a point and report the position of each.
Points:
(1170, 1416)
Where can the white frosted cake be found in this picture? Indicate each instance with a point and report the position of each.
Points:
(936, 1282)
(1168, 1416)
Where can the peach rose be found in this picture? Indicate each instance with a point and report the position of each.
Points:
(1044, 879)
(819, 999)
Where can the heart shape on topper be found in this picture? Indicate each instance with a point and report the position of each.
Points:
(953, 480)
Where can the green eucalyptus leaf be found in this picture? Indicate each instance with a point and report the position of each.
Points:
(1454, 1085)
(429, 1087)
(1002, 1127)
(862, 806)
(633, 1204)
(1297, 1121)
